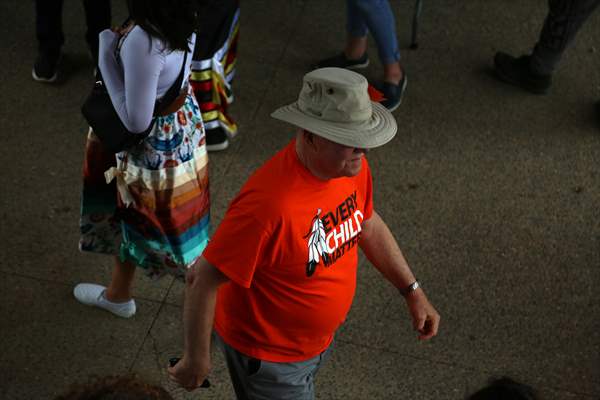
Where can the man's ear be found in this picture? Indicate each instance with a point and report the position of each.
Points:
(309, 138)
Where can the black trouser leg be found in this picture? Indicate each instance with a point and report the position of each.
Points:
(48, 26)
(564, 19)
(98, 18)
(214, 22)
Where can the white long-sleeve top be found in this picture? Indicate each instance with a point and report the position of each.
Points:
(146, 71)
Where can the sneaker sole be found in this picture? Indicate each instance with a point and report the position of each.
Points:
(395, 107)
(359, 66)
(41, 79)
(218, 146)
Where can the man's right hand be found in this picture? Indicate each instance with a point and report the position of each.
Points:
(187, 375)
(201, 285)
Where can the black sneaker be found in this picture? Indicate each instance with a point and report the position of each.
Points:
(340, 61)
(393, 93)
(45, 68)
(216, 140)
(517, 71)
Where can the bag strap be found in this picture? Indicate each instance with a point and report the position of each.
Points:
(173, 91)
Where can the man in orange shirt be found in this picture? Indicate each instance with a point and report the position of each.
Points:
(278, 277)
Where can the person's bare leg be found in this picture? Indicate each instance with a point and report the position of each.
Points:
(121, 284)
(355, 47)
(393, 73)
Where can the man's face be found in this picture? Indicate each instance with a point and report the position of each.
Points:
(335, 160)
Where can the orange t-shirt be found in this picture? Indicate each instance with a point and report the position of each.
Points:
(289, 245)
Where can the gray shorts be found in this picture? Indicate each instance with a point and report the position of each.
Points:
(255, 379)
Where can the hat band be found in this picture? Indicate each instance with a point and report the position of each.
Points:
(336, 115)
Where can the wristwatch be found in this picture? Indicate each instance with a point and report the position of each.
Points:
(410, 288)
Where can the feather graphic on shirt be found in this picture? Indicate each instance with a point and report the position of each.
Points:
(317, 248)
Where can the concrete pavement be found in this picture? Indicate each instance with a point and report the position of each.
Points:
(492, 193)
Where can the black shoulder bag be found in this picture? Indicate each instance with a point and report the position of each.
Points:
(99, 112)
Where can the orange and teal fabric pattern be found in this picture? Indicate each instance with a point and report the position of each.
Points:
(155, 209)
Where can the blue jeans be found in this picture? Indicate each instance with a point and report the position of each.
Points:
(375, 16)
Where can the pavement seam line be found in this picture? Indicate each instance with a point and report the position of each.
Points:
(149, 331)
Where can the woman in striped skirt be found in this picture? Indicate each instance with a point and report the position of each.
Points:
(148, 206)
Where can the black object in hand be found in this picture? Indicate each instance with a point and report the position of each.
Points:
(175, 360)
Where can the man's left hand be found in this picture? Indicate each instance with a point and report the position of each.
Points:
(425, 318)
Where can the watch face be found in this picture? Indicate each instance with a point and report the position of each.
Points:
(410, 288)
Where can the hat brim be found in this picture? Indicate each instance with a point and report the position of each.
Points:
(374, 132)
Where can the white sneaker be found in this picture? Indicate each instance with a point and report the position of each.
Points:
(93, 295)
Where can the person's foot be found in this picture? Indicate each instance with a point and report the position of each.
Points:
(393, 93)
(216, 140)
(45, 68)
(518, 72)
(93, 295)
(341, 61)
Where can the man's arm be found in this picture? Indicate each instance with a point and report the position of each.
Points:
(380, 247)
(202, 282)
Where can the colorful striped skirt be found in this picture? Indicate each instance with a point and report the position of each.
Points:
(150, 205)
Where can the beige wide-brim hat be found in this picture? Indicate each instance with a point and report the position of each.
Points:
(334, 103)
